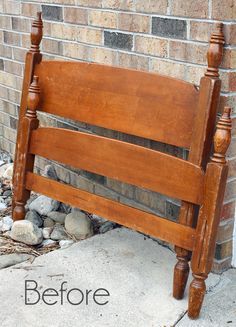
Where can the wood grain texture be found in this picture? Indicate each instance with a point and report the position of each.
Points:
(138, 103)
(200, 146)
(112, 210)
(32, 58)
(122, 161)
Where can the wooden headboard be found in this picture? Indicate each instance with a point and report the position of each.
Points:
(143, 104)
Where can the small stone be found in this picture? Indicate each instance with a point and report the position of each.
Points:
(64, 208)
(7, 223)
(8, 172)
(2, 206)
(34, 217)
(47, 232)
(48, 243)
(3, 168)
(13, 258)
(108, 225)
(78, 225)
(26, 232)
(43, 205)
(59, 233)
(58, 217)
(7, 193)
(48, 222)
(65, 243)
(50, 172)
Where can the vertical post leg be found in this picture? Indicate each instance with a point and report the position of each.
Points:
(25, 160)
(209, 215)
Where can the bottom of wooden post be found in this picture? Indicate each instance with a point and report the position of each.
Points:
(181, 273)
(197, 292)
(19, 211)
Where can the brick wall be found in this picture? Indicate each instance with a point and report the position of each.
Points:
(165, 36)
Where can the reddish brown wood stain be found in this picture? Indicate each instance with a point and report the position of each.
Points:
(142, 104)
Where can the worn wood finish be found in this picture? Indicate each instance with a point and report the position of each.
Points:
(25, 160)
(33, 57)
(122, 161)
(200, 147)
(124, 100)
(143, 104)
(112, 210)
(209, 215)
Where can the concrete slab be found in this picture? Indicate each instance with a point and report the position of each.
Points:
(135, 270)
(219, 308)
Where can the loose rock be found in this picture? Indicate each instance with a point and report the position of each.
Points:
(65, 243)
(48, 222)
(8, 172)
(27, 232)
(3, 168)
(2, 206)
(7, 223)
(43, 205)
(78, 225)
(105, 227)
(47, 232)
(48, 243)
(59, 233)
(34, 217)
(58, 217)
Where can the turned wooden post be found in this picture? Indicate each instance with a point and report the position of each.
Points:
(33, 57)
(200, 148)
(25, 160)
(209, 215)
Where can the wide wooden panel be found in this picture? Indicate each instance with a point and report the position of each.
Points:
(127, 216)
(138, 103)
(122, 161)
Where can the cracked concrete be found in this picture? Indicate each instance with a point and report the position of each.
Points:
(135, 270)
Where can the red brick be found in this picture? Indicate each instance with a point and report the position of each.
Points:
(190, 8)
(223, 9)
(228, 210)
(134, 23)
(76, 15)
(230, 33)
(188, 52)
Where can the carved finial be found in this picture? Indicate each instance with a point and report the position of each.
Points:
(215, 52)
(222, 136)
(33, 98)
(36, 33)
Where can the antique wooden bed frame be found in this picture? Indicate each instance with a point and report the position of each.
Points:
(144, 104)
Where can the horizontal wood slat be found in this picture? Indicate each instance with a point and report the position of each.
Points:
(122, 161)
(127, 216)
(138, 103)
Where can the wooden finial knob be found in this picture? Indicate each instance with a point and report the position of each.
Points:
(215, 52)
(36, 33)
(33, 98)
(222, 136)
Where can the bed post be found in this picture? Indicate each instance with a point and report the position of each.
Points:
(33, 57)
(25, 160)
(200, 148)
(209, 215)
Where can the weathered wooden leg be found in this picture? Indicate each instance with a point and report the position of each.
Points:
(25, 160)
(209, 215)
(197, 292)
(181, 270)
(33, 57)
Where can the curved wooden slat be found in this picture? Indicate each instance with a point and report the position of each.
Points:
(138, 103)
(156, 226)
(122, 161)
